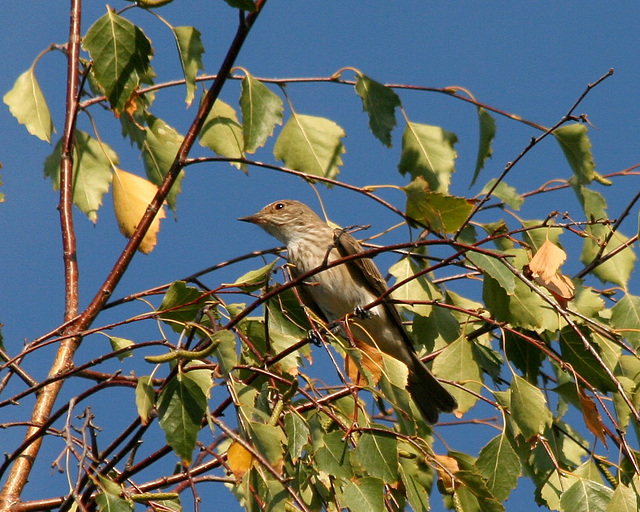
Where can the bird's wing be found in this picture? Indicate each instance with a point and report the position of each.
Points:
(346, 246)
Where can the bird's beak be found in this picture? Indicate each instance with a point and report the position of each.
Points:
(253, 219)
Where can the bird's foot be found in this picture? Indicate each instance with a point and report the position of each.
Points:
(361, 313)
(314, 337)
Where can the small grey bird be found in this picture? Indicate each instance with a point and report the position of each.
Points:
(342, 289)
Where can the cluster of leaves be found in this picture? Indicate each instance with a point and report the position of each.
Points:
(539, 347)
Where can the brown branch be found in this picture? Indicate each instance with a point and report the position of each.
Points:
(19, 475)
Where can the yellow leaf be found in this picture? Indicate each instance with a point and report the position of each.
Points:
(447, 467)
(131, 196)
(544, 267)
(239, 460)
(371, 360)
(592, 418)
(547, 260)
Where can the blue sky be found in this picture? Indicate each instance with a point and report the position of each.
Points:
(533, 59)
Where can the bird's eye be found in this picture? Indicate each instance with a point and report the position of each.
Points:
(279, 206)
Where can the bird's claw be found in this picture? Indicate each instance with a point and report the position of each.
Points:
(314, 337)
(361, 313)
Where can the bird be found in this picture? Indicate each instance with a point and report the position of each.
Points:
(347, 288)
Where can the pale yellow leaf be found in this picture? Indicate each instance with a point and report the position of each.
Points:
(131, 197)
(547, 260)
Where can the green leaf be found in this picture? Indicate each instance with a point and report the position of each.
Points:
(582, 361)
(222, 133)
(261, 112)
(377, 454)
(268, 441)
(120, 343)
(626, 315)
(440, 212)
(525, 356)
(380, 103)
(159, 150)
(254, 279)
(528, 407)
(28, 105)
(121, 54)
(145, 398)
(177, 295)
(226, 351)
(92, 172)
(108, 502)
(616, 269)
(456, 362)
(495, 268)
(474, 493)
(505, 192)
(428, 151)
(576, 147)
(311, 144)
(190, 50)
(245, 5)
(298, 434)
(181, 408)
(536, 237)
(364, 495)
(624, 499)
(418, 288)
(593, 203)
(437, 330)
(487, 134)
(334, 456)
(499, 464)
(586, 495)
(416, 481)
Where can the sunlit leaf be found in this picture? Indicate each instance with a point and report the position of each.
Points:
(261, 112)
(428, 151)
(547, 260)
(239, 459)
(592, 418)
(500, 465)
(576, 146)
(494, 268)
(528, 407)
(377, 454)
(625, 315)
(334, 456)
(616, 269)
(364, 495)
(131, 197)
(297, 432)
(255, 279)
(487, 134)
(415, 289)
(119, 344)
(457, 363)
(92, 172)
(183, 303)
(181, 408)
(28, 105)
(624, 499)
(311, 144)
(222, 133)
(583, 361)
(145, 398)
(121, 53)
(190, 50)
(586, 495)
(440, 212)
(380, 102)
(159, 150)
(505, 192)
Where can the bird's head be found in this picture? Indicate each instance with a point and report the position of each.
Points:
(287, 220)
